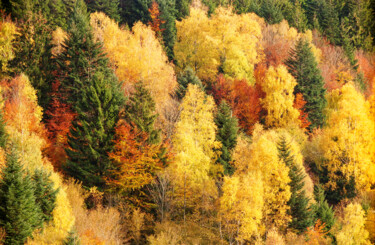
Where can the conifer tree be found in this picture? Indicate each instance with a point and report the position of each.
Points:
(184, 79)
(45, 194)
(321, 208)
(227, 132)
(140, 111)
(303, 66)
(72, 239)
(93, 91)
(302, 217)
(19, 214)
(109, 7)
(3, 133)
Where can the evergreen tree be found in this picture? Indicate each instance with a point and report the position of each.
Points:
(45, 194)
(182, 9)
(94, 92)
(109, 7)
(303, 66)
(227, 133)
(135, 10)
(168, 14)
(321, 208)
(271, 12)
(19, 214)
(302, 217)
(140, 111)
(3, 133)
(184, 79)
(72, 239)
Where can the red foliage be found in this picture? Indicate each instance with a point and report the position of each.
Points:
(60, 117)
(155, 22)
(299, 104)
(366, 66)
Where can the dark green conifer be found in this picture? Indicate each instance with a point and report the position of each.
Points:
(109, 7)
(227, 133)
(168, 15)
(45, 194)
(140, 111)
(271, 11)
(302, 216)
(19, 214)
(184, 79)
(304, 68)
(321, 208)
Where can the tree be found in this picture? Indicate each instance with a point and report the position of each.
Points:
(91, 135)
(278, 102)
(322, 210)
(184, 79)
(45, 194)
(155, 22)
(168, 15)
(227, 132)
(271, 11)
(109, 7)
(8, 31)
(140, 111)
(304, 68)
(299, 104)
(19, 214)
(302, 217)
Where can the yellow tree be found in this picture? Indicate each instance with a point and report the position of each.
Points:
(353, 226)
(8, 32)
(278, 102)
(136, 56)
(194, 143)
(348, 144)
(261, 156)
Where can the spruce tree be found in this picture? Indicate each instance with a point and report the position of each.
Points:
(109, 7)
(303, 66)
(168, 14)
(302, 216)
(140, 111)
(3, 133)
(271, 12)
(227, 133)
(19, 214)
(184, 79)
(321, 208)
(45, 194)
(93, 90)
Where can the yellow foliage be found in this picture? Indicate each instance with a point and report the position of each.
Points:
(347, 143)
(261, 156)
(194, 143)
(136, 56)
(274, 238)
(279, 86)
(58, 38)
(226, 40)
(353, 226)
(8, 32)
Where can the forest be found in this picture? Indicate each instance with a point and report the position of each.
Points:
(178, 122)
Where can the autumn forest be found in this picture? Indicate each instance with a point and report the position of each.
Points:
(177, 122)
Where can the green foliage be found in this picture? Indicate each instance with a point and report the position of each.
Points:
(33, 56)
(227, 133)
(271, 11)
(302, 216)
(109, 7)
(94, 92)
(184, 79)
(135, 10)
(19, 214)
(321, 208)
(182, 9)
(140, 111)
(45, 194)
(72, 239)
(168, 15)
(3, 133)
(303, 66)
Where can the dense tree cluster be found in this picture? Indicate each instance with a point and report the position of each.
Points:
(187, 122)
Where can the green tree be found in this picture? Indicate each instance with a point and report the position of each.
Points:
(72, 239)
(93, 90)
(182, 9)
(227, 133)
(3, 133)
(302, 216)
(45, 194)
(168, 14)
(140, 111)
(19, 214)
(135, 10)
(321, 208)
(271, 11)
(184, 79)
(109, 7)
(303, 66)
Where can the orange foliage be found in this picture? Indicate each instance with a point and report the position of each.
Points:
(137, 160)
(299, 104)
(60, 117)
(316, 234)
(155, 22)
(242, 97)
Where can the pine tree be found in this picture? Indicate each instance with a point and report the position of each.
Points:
(109, 7)
(168, 14)
(45, 194)
(302, 217)
(321, 208)
(93, 91)
(271, 12)
(303, 66)
(140, 111)
(227, 133)
(184, 79)
(19, 214)
(3, 133)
